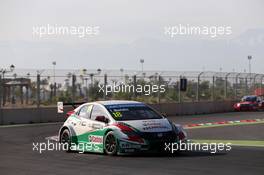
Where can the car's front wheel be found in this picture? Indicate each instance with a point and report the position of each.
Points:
(110, 143)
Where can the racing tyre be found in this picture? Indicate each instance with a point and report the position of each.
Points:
(65, 138)
(110, 143)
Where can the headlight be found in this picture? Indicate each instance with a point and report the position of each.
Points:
(132, 136)
(181, 133)
(238, 104)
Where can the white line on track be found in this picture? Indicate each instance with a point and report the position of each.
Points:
(33, 124)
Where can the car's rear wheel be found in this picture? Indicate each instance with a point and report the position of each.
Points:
(65, 139)
(110, 143)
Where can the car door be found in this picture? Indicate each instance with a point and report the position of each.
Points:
(84, 124)
(98, 111)
(98, 128)
(94, 129)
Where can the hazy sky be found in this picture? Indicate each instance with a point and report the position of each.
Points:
(130, 30)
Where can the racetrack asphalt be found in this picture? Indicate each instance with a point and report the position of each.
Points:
(17, 155)
(205, 118)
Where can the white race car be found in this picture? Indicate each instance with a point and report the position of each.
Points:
(116, 127)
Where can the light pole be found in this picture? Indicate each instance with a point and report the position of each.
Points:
(122, 71)
(249, 68)
(142, 63)
(249, 63)
(54, 64)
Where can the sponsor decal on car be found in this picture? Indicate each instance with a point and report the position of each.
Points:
(148, 125)
(160, 135)
(95, 139)
(129, 146)
(154, 127)
(97, 126)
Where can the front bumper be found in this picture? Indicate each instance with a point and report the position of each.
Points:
(127, 147)
(246, 108)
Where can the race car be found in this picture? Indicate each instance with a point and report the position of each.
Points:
(118, 127)
(249, 103)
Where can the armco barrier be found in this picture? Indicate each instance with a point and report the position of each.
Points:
(190, 108)
(31, 115)
(49, 114)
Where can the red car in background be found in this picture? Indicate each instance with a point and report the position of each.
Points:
(250, 103)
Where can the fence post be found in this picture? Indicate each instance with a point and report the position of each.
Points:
(246, 88)
(236, 87)
(1, 92)
(135, 85)
(55, 90)
(254, 82)
(86, 89)
(73, 86)
(225, 87)
(27, 94)
(226, 81)
(213, 93)
(237, 76)
(159, 81)
(179, 90)
(1, 100)
(38, 90)
(197, 88)
(105, 84)
(4, 91)
(1, 97)
(261, 80)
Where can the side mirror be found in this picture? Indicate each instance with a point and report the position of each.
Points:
(102, 119)
(164, 115)
(69, 113)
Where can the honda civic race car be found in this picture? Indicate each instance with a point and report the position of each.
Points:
(118, 127)
(249, 103)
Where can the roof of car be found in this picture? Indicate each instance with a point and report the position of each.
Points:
(246, 96)
(117, 102)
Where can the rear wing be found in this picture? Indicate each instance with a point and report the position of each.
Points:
(73, 104)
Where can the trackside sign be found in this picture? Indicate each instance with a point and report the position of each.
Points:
(60, 107)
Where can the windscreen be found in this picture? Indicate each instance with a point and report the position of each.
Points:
(132, 112)
(249, 98)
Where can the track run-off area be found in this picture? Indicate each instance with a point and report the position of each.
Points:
(243, 129)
